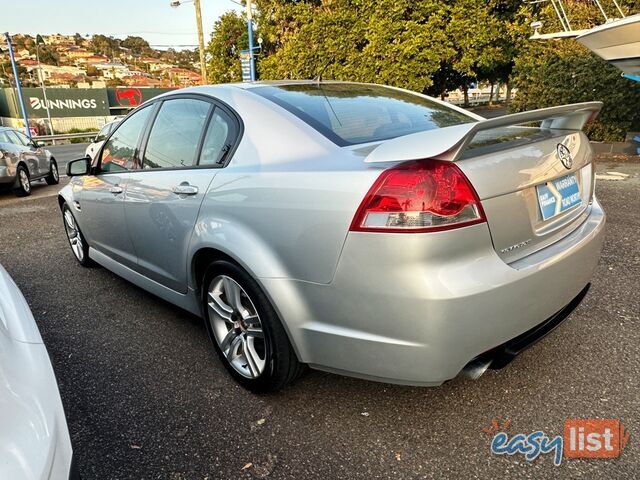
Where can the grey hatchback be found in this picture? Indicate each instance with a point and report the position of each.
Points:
(23, 160)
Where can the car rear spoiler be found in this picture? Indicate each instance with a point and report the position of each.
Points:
(448, 143)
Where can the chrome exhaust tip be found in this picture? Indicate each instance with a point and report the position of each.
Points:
(475, 368)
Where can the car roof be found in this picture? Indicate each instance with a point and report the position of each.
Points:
(278, 83)
(246, 86)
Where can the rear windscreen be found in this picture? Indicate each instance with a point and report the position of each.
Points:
(349, 114)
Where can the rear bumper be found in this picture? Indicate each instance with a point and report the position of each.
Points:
(500, 356)
(415, 309)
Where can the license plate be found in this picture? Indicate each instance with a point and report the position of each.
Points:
(558, 195)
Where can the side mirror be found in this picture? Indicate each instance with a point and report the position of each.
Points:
(82, 166)
(35, 144)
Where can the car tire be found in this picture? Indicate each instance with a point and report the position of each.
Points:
(249, 338)
(54, 176)
(79, 245)
(22, 186)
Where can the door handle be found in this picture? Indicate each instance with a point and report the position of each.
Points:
(185, 189)
(116, 189)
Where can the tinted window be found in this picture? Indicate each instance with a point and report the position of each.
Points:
(4, 138)
(218, 140)
(18, 138)
(102, 134)
(119, 153)
(349, 114)
(175, 134)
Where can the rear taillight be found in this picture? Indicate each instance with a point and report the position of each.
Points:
(419, 196)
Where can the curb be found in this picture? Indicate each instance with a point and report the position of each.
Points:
(631, 145)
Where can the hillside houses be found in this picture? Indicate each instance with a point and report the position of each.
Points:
(72, 59)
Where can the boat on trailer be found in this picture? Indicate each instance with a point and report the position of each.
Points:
(617, 40)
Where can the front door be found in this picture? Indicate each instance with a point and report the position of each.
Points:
(164, 197)
(102, 197)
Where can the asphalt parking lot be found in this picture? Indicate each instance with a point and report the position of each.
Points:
(146, 397)
(65, 153)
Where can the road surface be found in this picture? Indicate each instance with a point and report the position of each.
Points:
(147, 398)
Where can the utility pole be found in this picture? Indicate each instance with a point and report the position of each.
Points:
(18, 86)
(196, 4)
(252, 58)
(40, 41)
(203, 65)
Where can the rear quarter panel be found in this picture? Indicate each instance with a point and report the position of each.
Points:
(283, 205)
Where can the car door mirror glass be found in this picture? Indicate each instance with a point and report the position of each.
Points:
(78, 167)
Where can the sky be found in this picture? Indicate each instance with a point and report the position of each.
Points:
(154, 20)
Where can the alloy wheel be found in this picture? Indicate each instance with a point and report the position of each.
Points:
(236, 326)
(54, 172)
(24, 181)
(73, 234)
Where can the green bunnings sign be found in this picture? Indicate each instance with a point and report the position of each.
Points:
(62, 102)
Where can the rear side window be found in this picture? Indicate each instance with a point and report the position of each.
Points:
(175, 135)
(350, 114)
(221, 133)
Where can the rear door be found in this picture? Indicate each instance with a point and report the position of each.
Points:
(187, 140)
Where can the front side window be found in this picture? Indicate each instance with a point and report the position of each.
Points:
(175, 135)
(351, 113)
(4, 138)
(218, 140)
(119, 153)
(18, 138)
(103, 133)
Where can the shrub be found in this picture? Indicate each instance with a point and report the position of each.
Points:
(559, 72)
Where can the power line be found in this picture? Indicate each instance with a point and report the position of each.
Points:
(171, 45)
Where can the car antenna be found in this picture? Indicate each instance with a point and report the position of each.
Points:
(318, 77)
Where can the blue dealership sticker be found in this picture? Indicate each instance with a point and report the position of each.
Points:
(558, 195)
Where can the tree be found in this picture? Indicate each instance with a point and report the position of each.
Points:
(432, 46)
(49, 55)
(228, 38)
(137, 45)
(394, 42)
(6, 72)
(104, 45)
(92, 71)
(566, 72)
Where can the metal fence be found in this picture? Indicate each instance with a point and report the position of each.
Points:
(65, 136)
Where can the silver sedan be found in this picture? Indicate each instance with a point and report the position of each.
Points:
(22, 161)
(354, 228)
